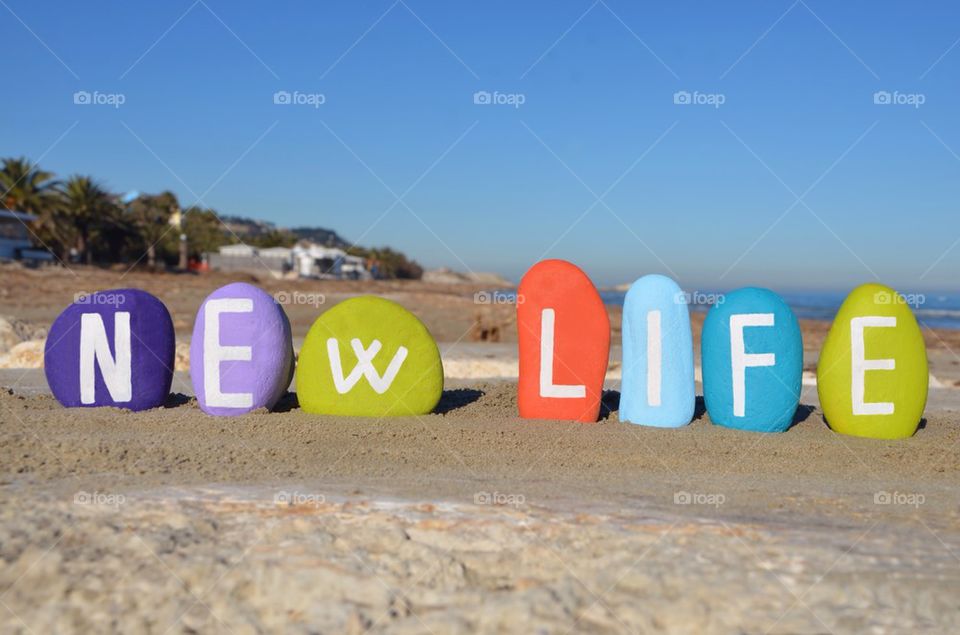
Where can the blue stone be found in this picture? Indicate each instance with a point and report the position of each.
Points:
(752, 357)
(658, 386)
(111, 348)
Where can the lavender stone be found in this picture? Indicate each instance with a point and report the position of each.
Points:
(241, 353)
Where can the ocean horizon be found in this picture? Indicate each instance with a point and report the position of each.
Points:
(932, 309)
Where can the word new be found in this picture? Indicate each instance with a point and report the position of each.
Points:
(117, 349)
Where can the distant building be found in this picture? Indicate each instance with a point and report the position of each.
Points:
(238, 251)
(276, 258)
(317, 261)
(15, 238)
(305, 260)
(247, 259)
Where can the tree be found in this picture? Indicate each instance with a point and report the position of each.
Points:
(204, 231)
(26, 188)
(88, 207)
(150, 215)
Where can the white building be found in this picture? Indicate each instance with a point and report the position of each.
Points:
(307, 259)
(250, 259)
(238, 251)
(317, 261)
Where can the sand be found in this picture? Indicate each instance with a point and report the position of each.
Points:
(467, 520)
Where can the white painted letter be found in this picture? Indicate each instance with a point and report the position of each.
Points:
(95, 349)
(364, 366)
(860, 365)
(654, 359)
(741, 360)
(214, 353)
(547, 387)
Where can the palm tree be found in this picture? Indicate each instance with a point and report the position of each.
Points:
(151, 217)
(88, 207)
(26, 188)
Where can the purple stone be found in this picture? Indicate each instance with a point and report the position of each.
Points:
(241, 353)
(111, 348)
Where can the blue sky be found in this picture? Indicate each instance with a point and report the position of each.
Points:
(706, 193)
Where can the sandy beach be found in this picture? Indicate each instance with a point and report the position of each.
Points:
(469, 519)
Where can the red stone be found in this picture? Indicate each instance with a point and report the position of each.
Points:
(559, 292)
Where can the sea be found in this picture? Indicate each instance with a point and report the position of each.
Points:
(932, 309)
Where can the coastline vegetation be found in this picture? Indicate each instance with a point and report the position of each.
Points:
(80, 220)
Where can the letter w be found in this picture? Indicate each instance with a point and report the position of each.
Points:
(364, 366)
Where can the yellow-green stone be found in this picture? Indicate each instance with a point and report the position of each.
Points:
(368, 356)
(872, 375)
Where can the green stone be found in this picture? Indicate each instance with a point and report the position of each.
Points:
(371, 357)
(874, 385)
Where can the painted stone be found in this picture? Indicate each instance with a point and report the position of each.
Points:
(368, 356)
(752, 358)
(241, 353)
(111, 348)
(872, 376)
(658, 386)
(564, 340)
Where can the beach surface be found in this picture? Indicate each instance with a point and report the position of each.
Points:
(469, 519)
(466, 520)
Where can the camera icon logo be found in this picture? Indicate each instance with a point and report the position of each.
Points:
(482, 97)
(82, 97)
(282, 97)
(882, 97)
(681, 97)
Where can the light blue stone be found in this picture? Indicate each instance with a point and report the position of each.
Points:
(654, 301)
(770, 393)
